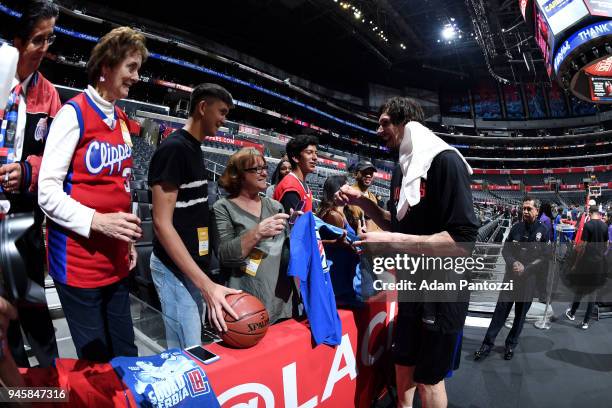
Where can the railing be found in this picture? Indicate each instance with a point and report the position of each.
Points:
(489, 231)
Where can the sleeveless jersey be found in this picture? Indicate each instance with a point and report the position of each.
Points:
(291, 183)
(98, 177)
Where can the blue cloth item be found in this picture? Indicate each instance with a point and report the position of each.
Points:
(9, 119)
(361, 287)
(308, 263)
(8, 128)
(327, 231)
(544, 219)
(170, 379)
(352, 279)
(343, 267)
(557, 221)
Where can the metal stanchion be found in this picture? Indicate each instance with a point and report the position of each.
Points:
(553, 267)
(544, 323)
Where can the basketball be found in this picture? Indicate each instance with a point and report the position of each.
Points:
(252, 323)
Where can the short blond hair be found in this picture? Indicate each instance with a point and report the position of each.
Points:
(232, 177)
(113, 48)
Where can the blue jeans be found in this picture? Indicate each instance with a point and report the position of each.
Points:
(182, 306)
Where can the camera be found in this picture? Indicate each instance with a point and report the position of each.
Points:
(15, 259)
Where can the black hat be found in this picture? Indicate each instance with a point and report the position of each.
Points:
(364, 165)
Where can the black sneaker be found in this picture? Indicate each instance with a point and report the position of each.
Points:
(508, 353)
(569, 315)
(482, 353)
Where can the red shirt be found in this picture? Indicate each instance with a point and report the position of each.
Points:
(291, 183)
(98, 177)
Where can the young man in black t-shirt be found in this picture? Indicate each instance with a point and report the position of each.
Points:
(181, 246)
(590, 263)
(425, 350)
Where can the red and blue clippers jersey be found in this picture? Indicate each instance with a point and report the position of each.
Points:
(307, 262)
(98, 177)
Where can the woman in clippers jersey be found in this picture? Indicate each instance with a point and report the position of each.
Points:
(84, 191)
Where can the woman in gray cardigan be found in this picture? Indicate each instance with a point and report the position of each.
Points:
(251, 231)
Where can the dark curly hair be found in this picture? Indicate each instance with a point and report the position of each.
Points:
(402, 110)
(297, 144)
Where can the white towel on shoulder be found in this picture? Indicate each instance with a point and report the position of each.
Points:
(418, 149)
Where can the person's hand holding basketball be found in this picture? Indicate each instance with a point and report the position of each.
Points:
(214, 296)
(272, 226)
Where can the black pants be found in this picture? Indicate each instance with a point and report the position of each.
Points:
(589, 308)
(34, 321)
(99, 320)
(502, 310)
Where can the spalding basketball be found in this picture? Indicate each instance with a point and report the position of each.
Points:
(252, 323)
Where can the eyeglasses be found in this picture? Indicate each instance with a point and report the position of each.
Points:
(258, 169)
(40, 40)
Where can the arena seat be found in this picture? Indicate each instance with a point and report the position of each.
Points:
(147, 232)
(144, 211)
(141, 196)
(145, 288)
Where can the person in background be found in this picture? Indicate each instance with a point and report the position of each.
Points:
(282, 169)
(332, 213)
(340, 252)
(181, 247)
(545, 217)
(574, 211)
(609, 222)
(558, 219)
(84, 191)
(293, 189)
(251, 231)
(33, 104)
(589, 266)
(609, 249)
(364, 177)
(526, 256)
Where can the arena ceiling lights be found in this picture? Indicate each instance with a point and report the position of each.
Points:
(450, 32)
(370, 23)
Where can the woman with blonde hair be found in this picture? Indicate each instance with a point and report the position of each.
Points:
(251, 231)
(84, 191)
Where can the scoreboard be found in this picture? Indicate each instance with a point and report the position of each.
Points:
(562, 14)
(575, 37)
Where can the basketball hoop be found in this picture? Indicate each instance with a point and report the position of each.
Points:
(594, 191)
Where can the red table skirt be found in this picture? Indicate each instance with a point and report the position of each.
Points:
(284, 369)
